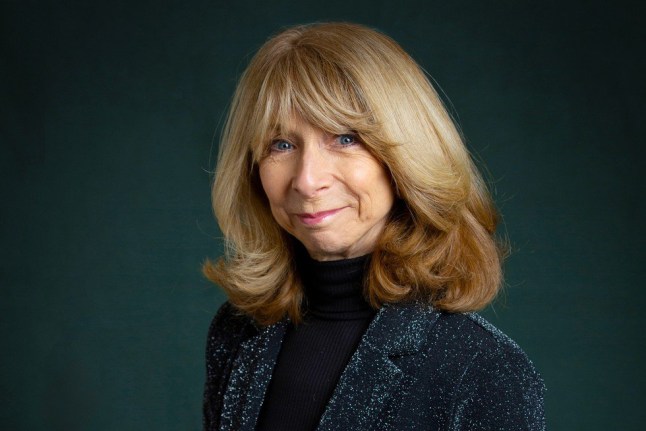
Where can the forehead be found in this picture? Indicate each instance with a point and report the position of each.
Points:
(326, 110)
(296, 126)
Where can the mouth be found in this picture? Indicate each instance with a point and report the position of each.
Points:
(312, 219)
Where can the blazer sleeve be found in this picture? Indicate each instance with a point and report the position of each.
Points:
(228, 329)
(499, 390)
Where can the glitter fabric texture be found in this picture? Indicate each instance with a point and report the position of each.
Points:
(415, 369)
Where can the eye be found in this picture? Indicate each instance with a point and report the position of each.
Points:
(347, 139)
(281, 145)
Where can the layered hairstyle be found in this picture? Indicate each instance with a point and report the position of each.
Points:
(438, 245)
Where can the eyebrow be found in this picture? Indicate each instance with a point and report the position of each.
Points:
(286, 134)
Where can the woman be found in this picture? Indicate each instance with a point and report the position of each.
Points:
(359, 236)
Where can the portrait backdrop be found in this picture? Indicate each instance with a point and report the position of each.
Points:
(110, 113)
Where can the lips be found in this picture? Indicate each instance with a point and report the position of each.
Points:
(312, 219)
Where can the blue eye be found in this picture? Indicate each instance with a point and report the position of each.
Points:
(281, 145)
(347, 140)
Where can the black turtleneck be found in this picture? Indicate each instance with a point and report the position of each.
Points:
(315, 352)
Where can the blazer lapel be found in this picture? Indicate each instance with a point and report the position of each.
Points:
(366, 396)
(250, 375)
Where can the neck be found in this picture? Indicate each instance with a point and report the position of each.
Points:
(334, 289)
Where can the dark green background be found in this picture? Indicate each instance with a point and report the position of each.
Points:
(108, 112)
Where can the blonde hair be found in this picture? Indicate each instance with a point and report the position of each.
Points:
(438, 245)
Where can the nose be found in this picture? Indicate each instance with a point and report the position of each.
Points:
(312, 174)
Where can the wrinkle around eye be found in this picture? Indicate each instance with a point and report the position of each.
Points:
(281, 146)
(352, 137)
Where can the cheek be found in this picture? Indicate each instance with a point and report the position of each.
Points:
(375, 184)
(383, 198)
(270, 183)
(273, 185)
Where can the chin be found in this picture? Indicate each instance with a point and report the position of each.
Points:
(326, 252)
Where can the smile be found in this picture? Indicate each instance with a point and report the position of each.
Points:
(313, 219)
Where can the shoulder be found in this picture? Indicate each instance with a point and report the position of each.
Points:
(495, 345)
(462, 336)
(470, 373)
(228, 329)
(457, 342)
(229, 322)
(475, 346)
(494, 368)
(473, 336)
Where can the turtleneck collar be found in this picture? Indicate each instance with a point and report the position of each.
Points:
(334, 289)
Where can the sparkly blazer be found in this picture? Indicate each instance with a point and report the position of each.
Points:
(415, 369)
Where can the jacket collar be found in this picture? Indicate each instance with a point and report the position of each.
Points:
(249, 378)
(367, 389)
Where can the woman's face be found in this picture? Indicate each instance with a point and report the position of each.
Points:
(326, 190)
